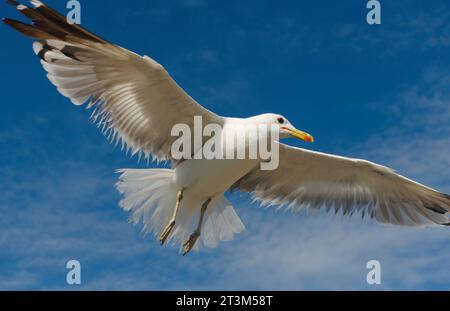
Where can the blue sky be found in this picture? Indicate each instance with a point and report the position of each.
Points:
(377, 92)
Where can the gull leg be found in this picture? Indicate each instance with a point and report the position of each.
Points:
(168, 229)
(190, 242)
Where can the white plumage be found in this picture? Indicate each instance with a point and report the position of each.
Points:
(136, 103)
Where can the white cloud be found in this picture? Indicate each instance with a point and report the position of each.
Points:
(285, 252)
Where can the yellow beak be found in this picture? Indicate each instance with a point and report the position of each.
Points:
(300, 134)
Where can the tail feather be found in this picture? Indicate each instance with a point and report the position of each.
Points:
(150, 195)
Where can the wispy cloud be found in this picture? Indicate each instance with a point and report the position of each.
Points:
(419, 143)
(415, 32)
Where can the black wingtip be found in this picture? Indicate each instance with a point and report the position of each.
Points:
(12, 2)
(9, 21)
(6, 20)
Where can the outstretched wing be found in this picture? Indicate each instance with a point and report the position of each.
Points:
(135, 100)
(307, 179)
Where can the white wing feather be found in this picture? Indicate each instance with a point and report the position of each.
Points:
(307, 179)
(135, 100)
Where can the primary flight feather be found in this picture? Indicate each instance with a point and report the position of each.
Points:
(137, 103)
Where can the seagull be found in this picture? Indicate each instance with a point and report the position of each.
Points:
(136, 102)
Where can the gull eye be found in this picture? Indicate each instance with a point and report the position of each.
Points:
(280, 120)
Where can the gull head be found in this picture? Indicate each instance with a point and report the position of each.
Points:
(286, 129)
